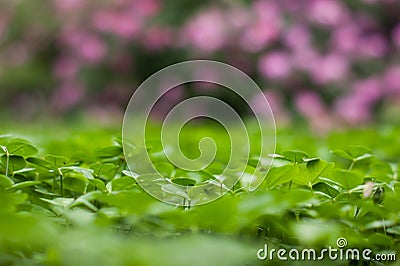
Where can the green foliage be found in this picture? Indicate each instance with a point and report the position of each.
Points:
(54, 205)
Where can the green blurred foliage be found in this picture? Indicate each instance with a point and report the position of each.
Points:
(62, 208)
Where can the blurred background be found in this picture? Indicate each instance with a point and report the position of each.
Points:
(326, 62)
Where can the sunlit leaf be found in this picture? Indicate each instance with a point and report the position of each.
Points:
(184, 181)
(295, 156)
(5, 181)
(21, 148)
(25, 184)
(87, 173)
(346, 179)
(108, 152)
(41, 162)
(13, 162)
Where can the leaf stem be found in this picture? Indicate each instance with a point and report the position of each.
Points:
(311, 188)
(61, 183)
(61, 186)
(7, 163)
(351, 165)
(384, 226)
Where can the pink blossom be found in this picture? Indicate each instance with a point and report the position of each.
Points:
(67, 95)
(146, 7)
(258, 35)
(103, 20)
(88, 46)
(276, 104)
(157, 38)
(371, 1)
(127, 18)
(126, 26)
(330, 68)
(367, 90)
(209, 75)
(238, 17)
(275, 65)
(91, 49)
(378, 1)
(70, 37)
(392, 79)
(297, 37)
(294, 5)
(373, 45)
(206, 86)
(352, 110)
(207, 31)
(241, 61)
(345, 38)
(65, 67)
(396, 35)
(168, 101)
(327, 12)
(266, 10)
(364, 21)
(275, 101)
(121, 62)
(309, 104)
(69, 5)
(264, 29)
(305, 58)
(122, 24)
(175, 94)
(259, 103)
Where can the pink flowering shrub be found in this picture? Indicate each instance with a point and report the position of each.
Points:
(325, 59)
